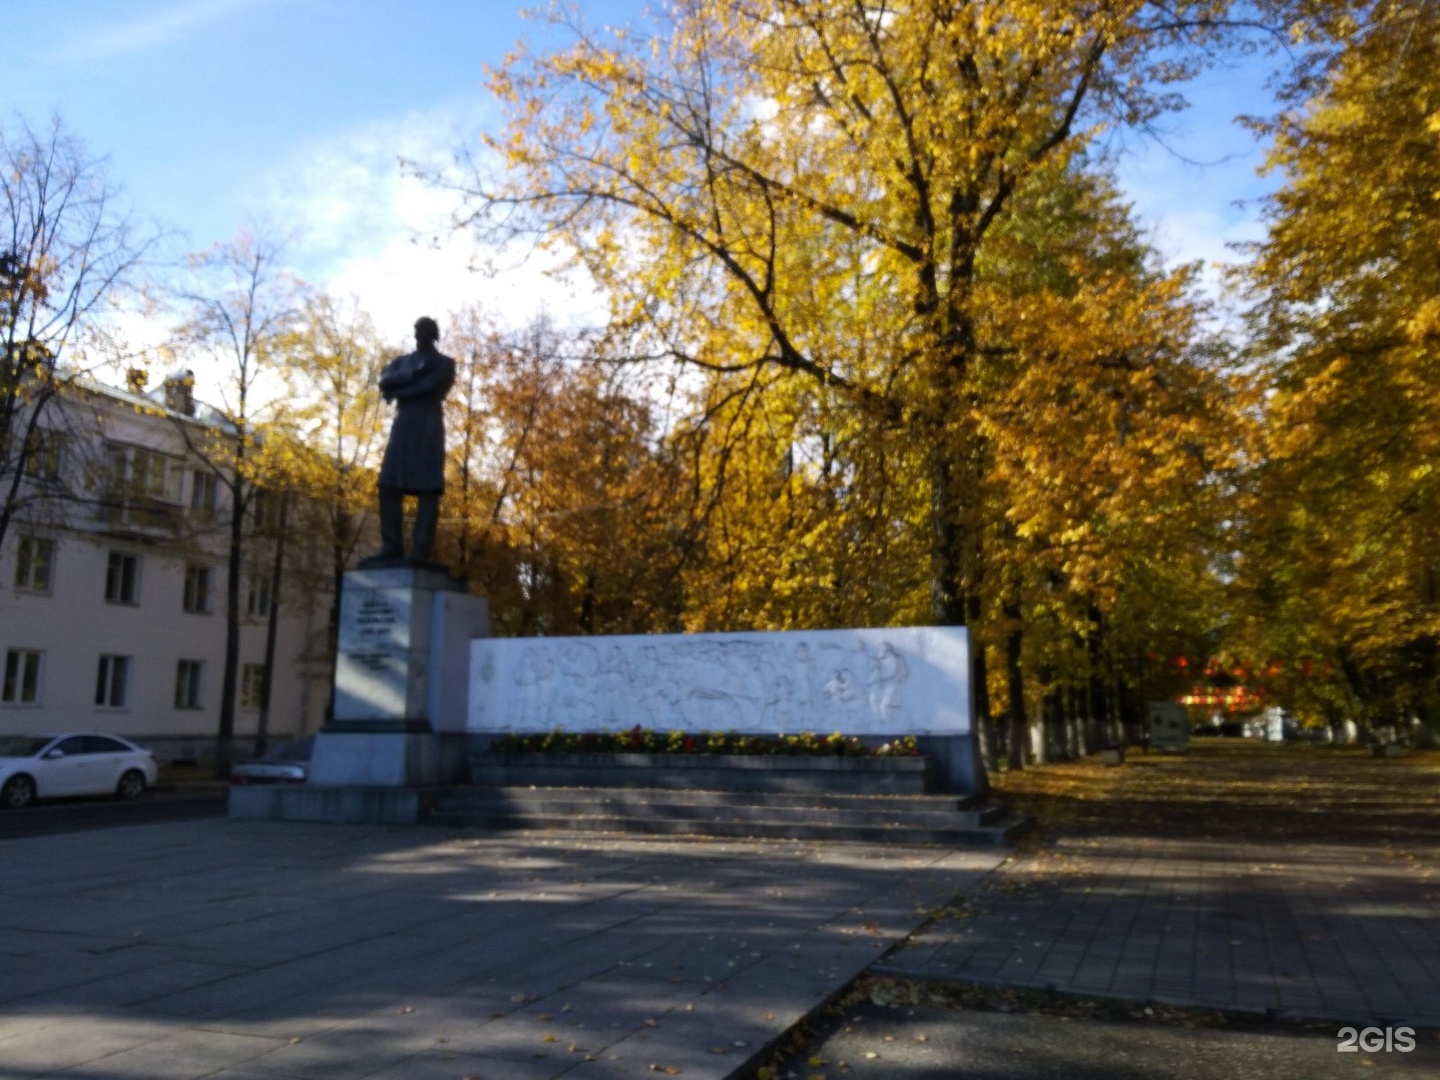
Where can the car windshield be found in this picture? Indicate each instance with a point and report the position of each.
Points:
(292, 751)
(21, 745)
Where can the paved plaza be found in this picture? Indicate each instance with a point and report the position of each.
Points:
(263, 950)
(1335, 932)
(1294, 882)
(1280, 886)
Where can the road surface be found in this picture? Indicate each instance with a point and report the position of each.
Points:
(78, 815)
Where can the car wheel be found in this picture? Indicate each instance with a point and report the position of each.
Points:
(131, 786)
(18, 791)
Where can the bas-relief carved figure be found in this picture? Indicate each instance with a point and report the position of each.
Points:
(414, 462)
(533, 678)
(888, 673)
(706, 685)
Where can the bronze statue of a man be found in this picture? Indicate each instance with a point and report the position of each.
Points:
(414, 462)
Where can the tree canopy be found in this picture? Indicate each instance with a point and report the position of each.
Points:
(885, 345)
(920, 326)
(1340, 566)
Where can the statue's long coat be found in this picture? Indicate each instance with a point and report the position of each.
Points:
(415, 455)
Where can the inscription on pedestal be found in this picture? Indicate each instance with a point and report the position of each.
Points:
(372, 623)
(375, 664)
(371, 661)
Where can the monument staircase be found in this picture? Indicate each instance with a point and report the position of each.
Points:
(872, 800)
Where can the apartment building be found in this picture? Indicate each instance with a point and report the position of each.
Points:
(112, 583)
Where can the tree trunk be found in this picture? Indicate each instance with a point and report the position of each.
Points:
(980, 691)
(951, 603)
(272, 625)
(338, 552)
(225, 737)
(1117, 710)
(1052, 723)
(1015, 686)
(586, 622)
(1074, 737)
(1097, 700)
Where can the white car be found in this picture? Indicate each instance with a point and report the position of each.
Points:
(53, 766)
(288, 763)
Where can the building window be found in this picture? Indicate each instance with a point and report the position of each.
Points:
(252, 684)
(204, 489)
(140, 471)
(33, 560)
(262, 507)
(121, 576)
(158, 475)
(187, 684)
(112, 681)
(42, 454)
(197, 589)
(22, 677)
(257, 602)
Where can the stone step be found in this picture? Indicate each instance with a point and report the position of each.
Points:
(718, 772)
(918, 810)
(931, 821)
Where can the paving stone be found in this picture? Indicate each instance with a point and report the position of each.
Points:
(342, 1052)
(159, 979)
(1250, 926)
(326, 970)
(180, 1056)
(27, 977)
(450, 1066)
(47, 1044)
(275, 950)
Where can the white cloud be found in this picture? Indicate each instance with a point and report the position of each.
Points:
(361, 227)
(369, 229)
(1195, 186)
(1200, 212)
(156, 27)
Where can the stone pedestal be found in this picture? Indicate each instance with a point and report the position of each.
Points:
(956, 759)
(400, 680)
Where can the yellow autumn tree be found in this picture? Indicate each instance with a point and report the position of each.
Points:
(557, 505)
(241, 310)
(334, 358)
(783, 190)
(1105, 424)
(1110, 425)
(1343, 567)
(805, 515)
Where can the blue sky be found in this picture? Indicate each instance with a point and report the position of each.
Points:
(215, 111)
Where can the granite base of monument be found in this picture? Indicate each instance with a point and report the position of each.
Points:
(349, 805)
(401, 678)
(955, 760)
(387, 759)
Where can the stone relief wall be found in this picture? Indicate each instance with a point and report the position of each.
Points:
(898, 681)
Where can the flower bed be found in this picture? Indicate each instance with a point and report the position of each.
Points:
(641, 740)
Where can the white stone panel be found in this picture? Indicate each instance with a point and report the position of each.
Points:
(455, 621)
(383, 662)
(893, 681)
(373, 665)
